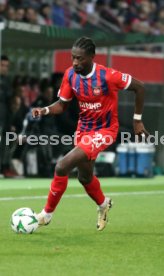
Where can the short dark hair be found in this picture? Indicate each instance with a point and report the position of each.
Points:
(85, 43)
(4, 57)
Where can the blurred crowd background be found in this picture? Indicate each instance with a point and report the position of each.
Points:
(146, 16)
(17, 96)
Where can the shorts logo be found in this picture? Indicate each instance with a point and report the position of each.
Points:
(98, 140)
(97, 90)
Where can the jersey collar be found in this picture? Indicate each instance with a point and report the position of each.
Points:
(90, 74)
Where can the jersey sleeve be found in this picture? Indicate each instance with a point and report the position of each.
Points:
(119, 80)
(65, 92)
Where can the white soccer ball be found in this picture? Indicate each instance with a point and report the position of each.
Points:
(24, 220)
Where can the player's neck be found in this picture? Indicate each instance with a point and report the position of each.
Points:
(89, 72)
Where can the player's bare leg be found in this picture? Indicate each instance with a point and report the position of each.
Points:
(92, 186)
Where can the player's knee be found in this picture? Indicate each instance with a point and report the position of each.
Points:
(84, 180)
(60, 169)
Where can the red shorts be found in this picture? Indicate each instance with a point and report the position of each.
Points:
(93, 142)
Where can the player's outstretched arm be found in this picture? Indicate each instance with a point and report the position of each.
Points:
(55, 108)
(138, 87)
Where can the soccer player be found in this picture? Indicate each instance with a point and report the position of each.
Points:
(96, 89)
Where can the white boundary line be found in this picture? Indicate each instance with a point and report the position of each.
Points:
(147, 193)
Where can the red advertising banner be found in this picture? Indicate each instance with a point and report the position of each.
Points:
(149, 69)
(144, 66)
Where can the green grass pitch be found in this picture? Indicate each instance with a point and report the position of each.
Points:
(132, 243)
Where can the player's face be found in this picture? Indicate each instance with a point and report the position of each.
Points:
(82, 62)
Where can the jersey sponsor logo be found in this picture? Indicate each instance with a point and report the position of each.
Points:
(97, 90)
(92, 106)
(124, 77)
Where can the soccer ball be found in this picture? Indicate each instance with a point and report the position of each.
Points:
(24, 220)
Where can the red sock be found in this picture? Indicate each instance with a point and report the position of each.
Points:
(93, 189)
(58, 187)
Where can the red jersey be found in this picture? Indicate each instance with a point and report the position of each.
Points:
(97, 95)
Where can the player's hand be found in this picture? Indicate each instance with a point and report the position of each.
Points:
(140, 130)
(37, 112)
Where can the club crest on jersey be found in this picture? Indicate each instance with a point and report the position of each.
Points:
(96, 90)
